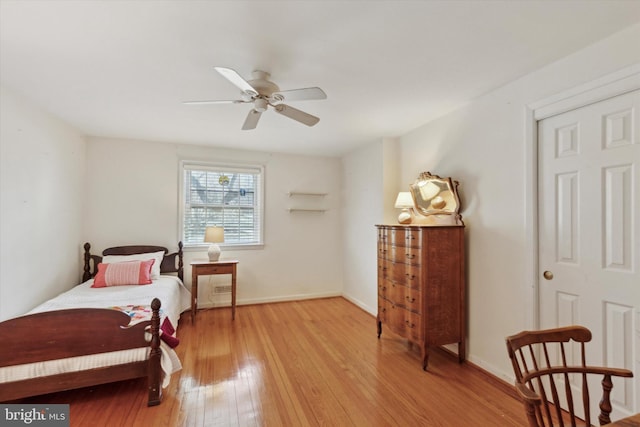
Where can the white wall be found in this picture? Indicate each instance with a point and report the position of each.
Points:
(391, 184)
(362, 209)
(134, 200)
(484, 146)
(41, 200)
(370, 187)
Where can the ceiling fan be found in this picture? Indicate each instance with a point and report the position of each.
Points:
(262, 93)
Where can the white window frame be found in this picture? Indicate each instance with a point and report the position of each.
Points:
(227, 167)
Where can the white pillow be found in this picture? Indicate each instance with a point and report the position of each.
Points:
(157, 256)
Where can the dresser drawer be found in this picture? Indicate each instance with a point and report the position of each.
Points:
(412, 300)
(391, 291)
(401, 295)
(396, 318)
(384, 268)
(404, 254)
(400, 320)
(413, 326)
(407, 237)
(384, 235)
(403, 273)
(204, 269)
(384, 250)
(400, 272)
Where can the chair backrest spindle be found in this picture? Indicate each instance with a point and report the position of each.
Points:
(545, 363)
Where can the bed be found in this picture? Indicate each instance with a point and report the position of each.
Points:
(95, 335)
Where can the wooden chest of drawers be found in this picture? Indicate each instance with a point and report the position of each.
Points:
(421, 285)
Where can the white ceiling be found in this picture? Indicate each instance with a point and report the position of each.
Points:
(123, 68)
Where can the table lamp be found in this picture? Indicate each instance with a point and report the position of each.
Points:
(214, 235)
(404, 202)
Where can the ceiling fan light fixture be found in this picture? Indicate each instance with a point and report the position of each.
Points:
(260, 105)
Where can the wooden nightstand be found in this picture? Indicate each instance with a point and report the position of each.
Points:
(206, 268)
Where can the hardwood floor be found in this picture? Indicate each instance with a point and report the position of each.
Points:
(304, 363)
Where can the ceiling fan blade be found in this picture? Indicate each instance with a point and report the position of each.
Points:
(297, 115)
(221, 101)
(252, 120)
(306, 94)
(237, 80)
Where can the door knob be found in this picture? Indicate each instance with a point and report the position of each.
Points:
(547, 275)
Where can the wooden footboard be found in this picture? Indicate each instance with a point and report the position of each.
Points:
(79, 332)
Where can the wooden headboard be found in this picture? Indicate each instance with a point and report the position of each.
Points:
(169, 264)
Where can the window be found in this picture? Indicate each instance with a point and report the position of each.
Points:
(228, 196)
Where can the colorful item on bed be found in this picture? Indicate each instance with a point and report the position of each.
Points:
(141, 313)
(123, 273)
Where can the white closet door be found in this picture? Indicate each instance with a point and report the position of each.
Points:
(589, 197)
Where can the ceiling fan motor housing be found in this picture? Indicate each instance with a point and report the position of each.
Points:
(262, 84)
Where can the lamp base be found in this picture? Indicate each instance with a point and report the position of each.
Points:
(214, 252)
(405, 217)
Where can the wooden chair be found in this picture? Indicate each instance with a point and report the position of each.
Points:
(545, 374)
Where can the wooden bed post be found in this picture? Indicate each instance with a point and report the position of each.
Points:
(180, 264)
(87, 261)
(155, 370)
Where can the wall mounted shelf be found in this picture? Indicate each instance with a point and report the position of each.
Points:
(302, 193)
(306, 210)
(312, 200)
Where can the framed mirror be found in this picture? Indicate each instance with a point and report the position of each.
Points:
(433, 195)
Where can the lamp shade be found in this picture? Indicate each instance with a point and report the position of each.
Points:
(214, 234)
(404, 200)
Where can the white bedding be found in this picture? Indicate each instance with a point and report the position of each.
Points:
(170, 290)
(173, 295)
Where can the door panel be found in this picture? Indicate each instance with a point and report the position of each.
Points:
(589, 232)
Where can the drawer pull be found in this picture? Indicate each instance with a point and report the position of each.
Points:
(410, 276)
(411, 256)
(410, 237)
(410, 325)
(410, 299)
(384, 288)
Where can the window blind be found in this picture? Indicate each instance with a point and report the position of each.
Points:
(227, 196)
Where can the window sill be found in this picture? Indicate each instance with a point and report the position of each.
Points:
(225, 247)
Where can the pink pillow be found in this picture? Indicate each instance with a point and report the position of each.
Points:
(123, 273)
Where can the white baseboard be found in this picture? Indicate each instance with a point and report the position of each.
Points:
(498, 373)
(285, 298)
(371, 310)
